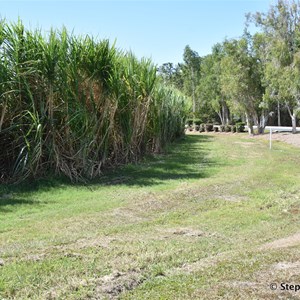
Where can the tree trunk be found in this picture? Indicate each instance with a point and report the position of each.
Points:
(221, 116)
(250, 124)
(194, 98)
(225, 112)
(278, 113)
(294, 122)
(293, 116)
(227, 117)
(255, 119)
(262, 122)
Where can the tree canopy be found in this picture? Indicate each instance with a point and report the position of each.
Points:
(254, 78)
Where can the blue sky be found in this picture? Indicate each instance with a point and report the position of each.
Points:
(156, 29)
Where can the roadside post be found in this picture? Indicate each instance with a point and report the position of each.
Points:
(270, 138)
(276, 129)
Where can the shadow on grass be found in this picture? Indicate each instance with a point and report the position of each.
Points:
(183, 160)
(7, 201)
(187, 159)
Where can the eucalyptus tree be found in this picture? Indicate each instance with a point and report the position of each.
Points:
(167, 71)
(241, 79)
(191, 69)
(271, 100)
(209, 88)
(258, 46)
(281, 26)
(171, 74)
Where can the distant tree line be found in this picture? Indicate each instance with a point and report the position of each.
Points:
(255, 78)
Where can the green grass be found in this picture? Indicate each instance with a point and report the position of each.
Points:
(189, 224)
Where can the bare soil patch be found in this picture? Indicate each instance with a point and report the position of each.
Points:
(289, 241)
(199, 265)
(286, 137)
(114, 284)
(266, 283)
(188, 232)
(106, 287)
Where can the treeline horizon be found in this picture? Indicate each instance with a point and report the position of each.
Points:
(253, 78)
(74, 106)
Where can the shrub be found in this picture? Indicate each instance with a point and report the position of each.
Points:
(190, 122)
(227, 128)
(222, 128)
(233, 128)
(202, 128)
(216, 129)
(208, 127)
(240, 127)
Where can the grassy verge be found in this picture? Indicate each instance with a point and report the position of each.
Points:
(216, 217)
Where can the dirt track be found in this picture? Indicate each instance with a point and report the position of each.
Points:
(287, 137)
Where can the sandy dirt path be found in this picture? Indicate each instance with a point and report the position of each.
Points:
(287, 137)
